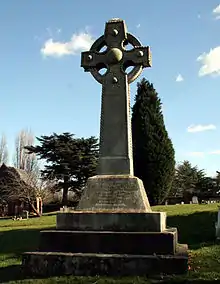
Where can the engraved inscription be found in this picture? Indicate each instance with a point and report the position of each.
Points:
(115, 195)
(107, 199)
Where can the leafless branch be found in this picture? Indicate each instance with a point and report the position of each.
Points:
(23, 160)
(3, 150)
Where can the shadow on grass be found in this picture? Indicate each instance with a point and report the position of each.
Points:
(196, 230)
(19, 240)
(10, 273)
(12, 244)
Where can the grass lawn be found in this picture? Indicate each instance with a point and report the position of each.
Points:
(196, 227)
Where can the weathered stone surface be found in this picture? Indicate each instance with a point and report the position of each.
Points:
(51, 264)
(141, 243)
(114, 192)
(115, 128)
(112, 221)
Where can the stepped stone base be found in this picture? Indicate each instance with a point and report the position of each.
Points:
(112, 221)
(114, 192)
(78, 264)
(113, 232)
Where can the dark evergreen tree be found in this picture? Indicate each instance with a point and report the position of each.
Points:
(69, 160)
(153, 152)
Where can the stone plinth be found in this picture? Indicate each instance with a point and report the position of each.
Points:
(112, 221)
(85, 264)
(114, 192)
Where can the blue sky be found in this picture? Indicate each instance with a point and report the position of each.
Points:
(43, 87)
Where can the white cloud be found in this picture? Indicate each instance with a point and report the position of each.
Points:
(199, 128)
(78, 42)
(202, 154)
(210, 62)
(216, 12)
(179, 78)
(216, 152)
(196, 154)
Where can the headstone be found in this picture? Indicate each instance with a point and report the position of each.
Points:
(217, 225)
(16, 210)
(113, 231)
(195, 200)
(25, 214)
(64, 209)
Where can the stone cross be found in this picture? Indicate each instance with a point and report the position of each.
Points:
(116, 156)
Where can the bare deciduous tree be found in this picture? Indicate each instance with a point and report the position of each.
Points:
(3, 150)
(17, 184)
(22, 160)
(41, 187)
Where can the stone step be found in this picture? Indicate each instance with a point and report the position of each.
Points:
(109, 242)
(108, 221)
(78, 264)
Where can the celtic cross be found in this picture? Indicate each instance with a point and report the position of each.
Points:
(116, 156)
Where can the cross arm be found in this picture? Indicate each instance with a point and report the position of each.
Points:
(138, 56)
(91, 59)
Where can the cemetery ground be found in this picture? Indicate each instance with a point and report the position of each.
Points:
(195, 223)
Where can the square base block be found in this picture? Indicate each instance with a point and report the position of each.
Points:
(114, 192)
(111, 221)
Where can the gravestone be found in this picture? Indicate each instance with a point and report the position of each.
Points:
(25, 214)
(195, 200)
(217, 225)
(113, 231)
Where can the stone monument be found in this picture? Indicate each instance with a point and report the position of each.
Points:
(115, 187)
(113, 231)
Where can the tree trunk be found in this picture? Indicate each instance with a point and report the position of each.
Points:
(34, 209)
(187, 197)
(65, 191)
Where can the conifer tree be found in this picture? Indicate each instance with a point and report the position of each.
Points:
(153, 151)
(69, 160)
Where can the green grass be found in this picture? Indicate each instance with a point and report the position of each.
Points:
(196, 227)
